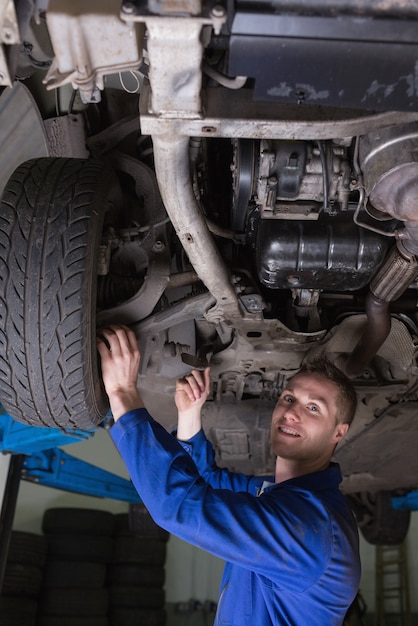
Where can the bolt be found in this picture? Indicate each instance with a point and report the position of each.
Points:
(158, 246)
(293, 280)
(218, 10)
(7, 34)
(128, 8)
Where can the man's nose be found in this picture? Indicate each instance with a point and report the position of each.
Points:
(292, 413)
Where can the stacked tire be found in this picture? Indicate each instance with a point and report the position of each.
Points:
(79, 550)
(136, 575)
(23, 579)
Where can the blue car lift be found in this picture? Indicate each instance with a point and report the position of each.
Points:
(36, 456)
(408, 502)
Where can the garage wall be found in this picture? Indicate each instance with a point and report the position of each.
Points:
(190, 573)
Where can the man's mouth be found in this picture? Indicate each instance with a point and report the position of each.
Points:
(289, 431)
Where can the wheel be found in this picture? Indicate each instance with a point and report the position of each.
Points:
(378, 521)
(27, 548)
(78, 521)
(63, 574)
(22, 580)
(18, 611)
(137, 597)
(65, 620)
(51, 219)
(73, 602)
(80, 548)
(134, 616)
(142, 524)
(131, 574)
(139, 551)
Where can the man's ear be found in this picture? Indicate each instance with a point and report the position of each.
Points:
(340, 432)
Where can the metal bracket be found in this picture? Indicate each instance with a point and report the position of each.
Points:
(47, 465)
(55, 468)
(407, 502)
(18, 438)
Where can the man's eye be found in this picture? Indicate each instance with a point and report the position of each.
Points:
(313, 407)
(288, 398)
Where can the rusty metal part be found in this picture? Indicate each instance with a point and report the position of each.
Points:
(9, 35)
(176, 83)
(89, 45)
(172, 168)
(389, 160)
(234, 114)
(396, 274)
(374, 335)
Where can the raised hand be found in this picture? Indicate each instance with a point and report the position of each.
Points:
(191, 394)
(120, 357)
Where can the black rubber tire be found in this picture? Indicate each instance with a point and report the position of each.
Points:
(27, 548)
(51, 219)
(22, 580)
(136, 575)
(140, 551)
(121, 525)
(137, 617)
(137, 597)
(142, 524)
(72, 602)
(78, 521)
(80, 548)
(378, 521)
(66, 573)
(18, 611)
(65, 620)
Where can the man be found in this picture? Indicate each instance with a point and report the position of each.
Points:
(290, 543)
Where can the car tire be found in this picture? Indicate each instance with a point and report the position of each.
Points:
(79, 548)
(142, 524)
(378, 521)
(131, 575)
(136, 597)
(27, 548)
(66, 620)
(78, 521)
(133, 617)
(75, 602)
(22, 580)
(18, 611)
(139, 551)
(63, 574)
(51, 220)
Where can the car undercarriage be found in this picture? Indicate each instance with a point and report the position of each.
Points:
(249, 204)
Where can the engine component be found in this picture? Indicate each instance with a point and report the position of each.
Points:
(272, 47)
(297, 178)
(331, 253)
(90, 45)
(389, 159)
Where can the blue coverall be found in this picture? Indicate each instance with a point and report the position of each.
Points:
(291, 552)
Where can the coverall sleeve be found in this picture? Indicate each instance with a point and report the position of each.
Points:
(238, 527)
(202, 453)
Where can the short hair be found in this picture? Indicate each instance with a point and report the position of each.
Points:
(347, 397)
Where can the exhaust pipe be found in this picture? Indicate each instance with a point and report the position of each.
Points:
(390, 282)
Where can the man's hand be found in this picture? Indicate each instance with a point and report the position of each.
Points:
(119, 352)
(191, 394)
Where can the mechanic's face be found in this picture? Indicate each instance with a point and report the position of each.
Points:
(304, 426)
